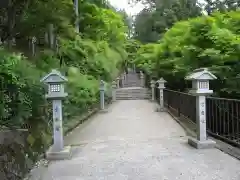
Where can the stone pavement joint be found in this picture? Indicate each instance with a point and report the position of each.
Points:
(133, 142)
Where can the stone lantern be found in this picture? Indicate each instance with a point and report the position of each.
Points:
(142, 79)
(122, 77)
(118, 82)
(56, 94)
(114, 86)
(161, 86)
(152, 84)
(102, 98)
(200, 88)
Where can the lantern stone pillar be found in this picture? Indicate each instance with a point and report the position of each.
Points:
(200, 88)
(153, 89)
(125, 75)
(123, 80)
(114, 86)
(77, 15)
(55, 82)
(118, 82)
(161, 86)
(34, 41)
(102, 97)
(142, 79)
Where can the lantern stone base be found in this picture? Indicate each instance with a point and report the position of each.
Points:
(61, 155)
(206, 144)
(160, 109)
(103, 111)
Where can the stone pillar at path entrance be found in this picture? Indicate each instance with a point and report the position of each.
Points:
(152, 83)
(114, 86)
(142, 79)
(55, 82)
(123, 80)
(161, 87)
(200, 88)
(102, 98)
(118, 82)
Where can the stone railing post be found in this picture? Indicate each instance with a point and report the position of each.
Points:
(114, 86)
(102, 98)
(118, 82)
(123, 80)
(153, 89)
(55, 82)
(161, 86)
(142, 79)
(125, 75)
(200, 88)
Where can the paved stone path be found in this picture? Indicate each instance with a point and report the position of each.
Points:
(132, 142)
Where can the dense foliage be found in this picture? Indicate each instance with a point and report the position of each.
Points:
(160, 15)
(207, 41)
(96, 52)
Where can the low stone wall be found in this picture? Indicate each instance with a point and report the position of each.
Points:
(14, 160)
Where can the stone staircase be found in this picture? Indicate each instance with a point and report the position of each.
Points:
(131, 88)
(132, 80)
(132, 93)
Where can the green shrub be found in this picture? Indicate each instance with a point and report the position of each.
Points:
(207, 41)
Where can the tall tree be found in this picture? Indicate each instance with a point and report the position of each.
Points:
(160, 15)
(220, 5)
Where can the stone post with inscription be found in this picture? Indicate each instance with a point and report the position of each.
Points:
(200, 88)
(152, 83)
(161, 86)
(118, 82)
(34, 40)
(114, 86)
(122, 80)
(55, 82)
(125, 76)
(142, 79)
(77, 15)
(102, 97)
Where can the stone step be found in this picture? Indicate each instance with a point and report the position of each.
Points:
(132, 81)
(131, 85)
(132, 77)
(132, 97)
(131, 92)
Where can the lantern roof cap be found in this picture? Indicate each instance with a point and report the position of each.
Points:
(161, 80)
(200, 74)
(54, 77)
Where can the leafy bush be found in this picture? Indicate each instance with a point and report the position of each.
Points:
(207, 41)
(22, 94)
(97, 52)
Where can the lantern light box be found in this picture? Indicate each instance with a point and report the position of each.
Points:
(200, 81)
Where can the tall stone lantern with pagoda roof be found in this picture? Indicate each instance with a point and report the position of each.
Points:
(55, 82)
(200, 88)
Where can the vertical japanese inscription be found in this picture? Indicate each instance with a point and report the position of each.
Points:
(202, 113)
(161, 94)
